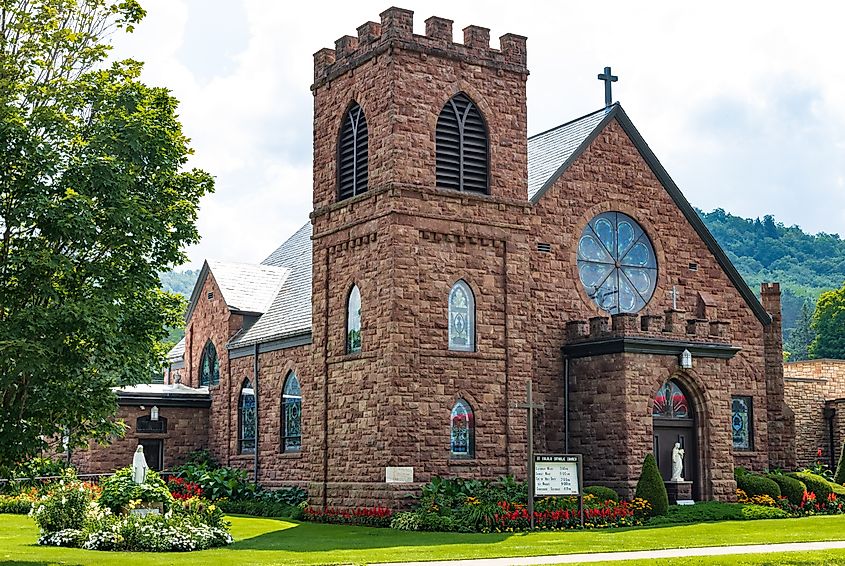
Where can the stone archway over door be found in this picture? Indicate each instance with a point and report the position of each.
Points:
(674, 421)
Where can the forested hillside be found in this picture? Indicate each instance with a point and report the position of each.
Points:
(762, 250)
(766, 250)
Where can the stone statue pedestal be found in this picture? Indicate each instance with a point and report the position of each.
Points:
(679, 492)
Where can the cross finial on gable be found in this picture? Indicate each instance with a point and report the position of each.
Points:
(607, 78)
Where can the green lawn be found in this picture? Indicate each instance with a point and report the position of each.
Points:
(269, 541)
(816, 558)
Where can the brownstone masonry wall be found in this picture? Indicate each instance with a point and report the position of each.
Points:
(809, 386)
(186, 431)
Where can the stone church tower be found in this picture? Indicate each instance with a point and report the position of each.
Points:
(405, 241)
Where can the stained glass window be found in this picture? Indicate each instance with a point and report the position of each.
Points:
(670, 402)
(741, 423)
(209, 366)
(291, 414)
(616, 263)
(461, 318)
(246, 418)
(463, 430)
(353, 321)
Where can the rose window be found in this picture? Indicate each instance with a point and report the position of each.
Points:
(616, 263)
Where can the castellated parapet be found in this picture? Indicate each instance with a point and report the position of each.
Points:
(396, 32)
(672, 324)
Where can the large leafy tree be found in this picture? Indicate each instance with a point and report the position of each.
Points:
(95, 200)
(829, 324)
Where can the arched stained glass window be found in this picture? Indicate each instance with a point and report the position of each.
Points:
(461, 140)
(291, 414)
(616, 263)
(671, 402)
(352, 154)
(741, 421)
(463, 430)
(461, 318)
(209, 366)
(246, 419)
(353, 321)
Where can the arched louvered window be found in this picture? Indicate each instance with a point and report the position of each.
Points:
(246, 419)
(209, 366)
(462, 162)
(352, 154)
(462, 425)
(291, 414)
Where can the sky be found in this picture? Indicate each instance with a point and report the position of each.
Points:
(742, 102)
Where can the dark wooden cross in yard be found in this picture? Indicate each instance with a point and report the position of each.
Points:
(607, 78)
(529, 406)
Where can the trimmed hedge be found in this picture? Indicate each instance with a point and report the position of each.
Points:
(651, 487)
(815, 483)
(19, 504)
(708, 511)
(260, 508)
(755, 484)
(602, 493)
(790, 488)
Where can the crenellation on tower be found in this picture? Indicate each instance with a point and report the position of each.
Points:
(396, 31)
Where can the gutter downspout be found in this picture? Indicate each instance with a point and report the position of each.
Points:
(257, 412)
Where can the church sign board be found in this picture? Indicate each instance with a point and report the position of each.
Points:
(558, 475)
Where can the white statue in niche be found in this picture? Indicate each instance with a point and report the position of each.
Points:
(677, 463)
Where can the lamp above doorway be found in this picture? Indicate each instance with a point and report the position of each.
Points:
(686, 359)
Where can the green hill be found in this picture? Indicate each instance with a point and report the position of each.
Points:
(762, 250)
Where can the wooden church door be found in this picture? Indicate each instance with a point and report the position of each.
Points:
(674, 421)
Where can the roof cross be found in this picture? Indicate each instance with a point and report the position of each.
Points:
(607, 78)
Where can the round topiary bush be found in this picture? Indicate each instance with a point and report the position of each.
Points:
(755, 484)
(602, 493)
(815, 484)
(651, 487)
(790, 488)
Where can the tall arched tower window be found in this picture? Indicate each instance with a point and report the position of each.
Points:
(352, 154)
(353, 321)
(462, 146)
(209, 365)
(462, 425)
(291, 414)
(461, 318)
(246, 419)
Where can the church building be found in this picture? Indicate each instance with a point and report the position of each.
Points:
(449, 261)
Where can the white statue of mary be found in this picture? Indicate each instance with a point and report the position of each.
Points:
(677, 462)
(139, 466)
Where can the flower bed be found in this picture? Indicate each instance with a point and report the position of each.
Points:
(75, 514)
(366, 516)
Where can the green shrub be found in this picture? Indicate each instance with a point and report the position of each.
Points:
(120, 489)
(755, 484)
(64, 508)
(752, 512)
(405, 521)
(292, 496)
(815, 484)
(218, 483)
(19, 504)
(602, 493)
(651, 487)
(790, 488)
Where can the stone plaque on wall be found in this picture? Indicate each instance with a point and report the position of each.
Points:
(399, 474)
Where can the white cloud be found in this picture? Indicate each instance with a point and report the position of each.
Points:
(741, 101)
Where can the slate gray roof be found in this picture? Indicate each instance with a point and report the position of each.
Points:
(290, 312)
(177, 351)
(549, 150)
(248, 287)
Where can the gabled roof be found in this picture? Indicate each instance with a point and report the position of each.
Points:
(290, 312)
(246, 287)
(553, 151)
(550, 150)
(177, 352)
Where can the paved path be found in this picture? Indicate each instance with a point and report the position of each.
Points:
(640, 554)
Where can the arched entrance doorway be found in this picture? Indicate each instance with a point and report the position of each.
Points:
(674, 421)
